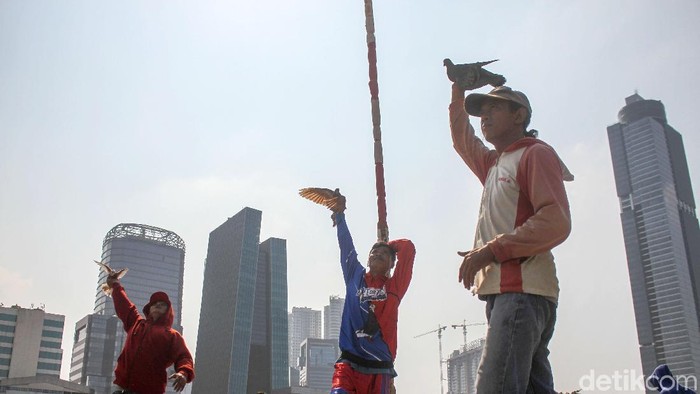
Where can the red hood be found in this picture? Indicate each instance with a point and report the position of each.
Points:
(169, 317)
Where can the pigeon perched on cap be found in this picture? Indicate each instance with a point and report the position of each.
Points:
(472, 76)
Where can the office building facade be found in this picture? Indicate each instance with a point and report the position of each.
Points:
(30, 342)
(661, 235)
(316, 362)
(155, 258)
(97, 342)
(242, 345)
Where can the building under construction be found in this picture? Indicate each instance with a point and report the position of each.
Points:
(462, 366)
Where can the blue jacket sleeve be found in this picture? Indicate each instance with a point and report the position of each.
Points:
(348, 256)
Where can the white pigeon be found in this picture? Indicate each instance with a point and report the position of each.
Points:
(110, 273)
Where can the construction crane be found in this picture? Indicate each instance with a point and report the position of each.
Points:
(439, 331)
(464, 326)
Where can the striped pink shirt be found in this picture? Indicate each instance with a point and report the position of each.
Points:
(524, 209)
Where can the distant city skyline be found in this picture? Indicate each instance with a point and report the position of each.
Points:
(661, 234)
(304, 323)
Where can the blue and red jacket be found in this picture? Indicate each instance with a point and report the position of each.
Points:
(371, 311)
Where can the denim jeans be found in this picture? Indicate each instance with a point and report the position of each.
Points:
(514, 359)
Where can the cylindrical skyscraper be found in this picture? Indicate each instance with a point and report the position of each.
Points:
(156, 261)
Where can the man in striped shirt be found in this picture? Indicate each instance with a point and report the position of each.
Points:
(524, 214)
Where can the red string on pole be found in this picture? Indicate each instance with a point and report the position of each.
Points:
(382, 226)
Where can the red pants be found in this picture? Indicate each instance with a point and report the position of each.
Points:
(348, 381)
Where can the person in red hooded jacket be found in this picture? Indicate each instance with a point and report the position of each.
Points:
(151, 346)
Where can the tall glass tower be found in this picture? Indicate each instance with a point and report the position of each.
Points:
(242, 340)
(155, 258)
(661, 235)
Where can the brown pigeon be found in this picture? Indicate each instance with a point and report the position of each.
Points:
(331, 199)
(472, 76)
(110, 273)
(326, 197)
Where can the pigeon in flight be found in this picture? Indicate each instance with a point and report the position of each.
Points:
(118, 274)
(472, 75)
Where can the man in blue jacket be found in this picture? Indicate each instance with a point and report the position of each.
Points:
(369, 325)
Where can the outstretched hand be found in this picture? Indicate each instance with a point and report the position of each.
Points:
(112, 279)
(338, 206)
(474, 261)
(179, 381)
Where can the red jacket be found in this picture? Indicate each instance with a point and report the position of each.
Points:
(150, 348)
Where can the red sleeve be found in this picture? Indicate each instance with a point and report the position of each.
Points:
(405, 254)
(469, 147)
(126, 310)
(182, 358)
(541, 180)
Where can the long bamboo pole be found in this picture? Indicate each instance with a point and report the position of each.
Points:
(382, 226)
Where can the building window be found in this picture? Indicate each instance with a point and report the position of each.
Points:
(53, 323)
(52, 334)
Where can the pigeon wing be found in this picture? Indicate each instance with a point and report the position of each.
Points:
(320, 195)
(122, 272)
(104, 267)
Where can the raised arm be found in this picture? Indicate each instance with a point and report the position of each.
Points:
(469, 147)
(126, 310)
(405, 255)
(348, 255)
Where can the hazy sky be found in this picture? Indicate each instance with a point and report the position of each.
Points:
(179, 114)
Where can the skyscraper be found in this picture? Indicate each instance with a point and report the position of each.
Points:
(30, 342)
(332, 317)
(303, 323)
(661, 235)
(156, 261)
(242, 341)
(155, 258)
